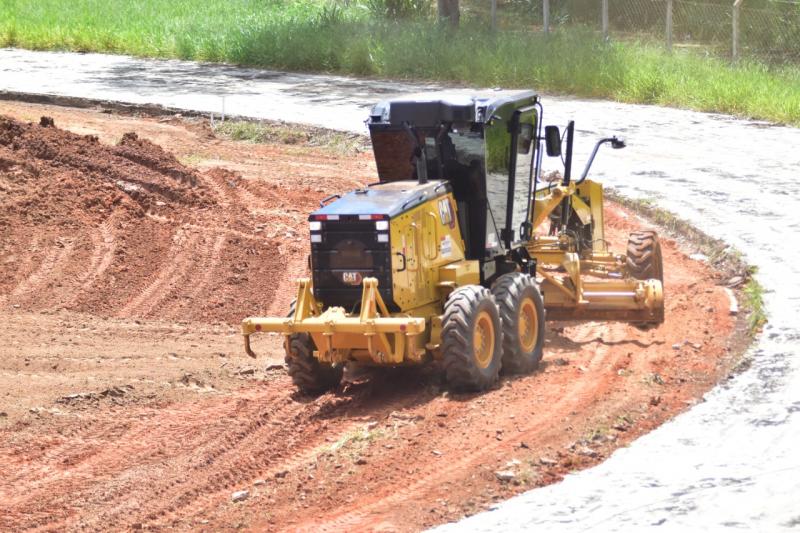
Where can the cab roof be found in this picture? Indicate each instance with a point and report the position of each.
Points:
(389, 199)
(431, 109)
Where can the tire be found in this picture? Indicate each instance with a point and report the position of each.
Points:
(307, 373)
(645, 261)
(644, 256)
(472, 339)
(522, 317)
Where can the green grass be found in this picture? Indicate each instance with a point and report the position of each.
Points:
(316, 35)
(754, 301)
(280, 133)
(353, 443)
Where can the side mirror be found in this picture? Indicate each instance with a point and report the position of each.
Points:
(617, 143)
(525, 138)
(552, 140)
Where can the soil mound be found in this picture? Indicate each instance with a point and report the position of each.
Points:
(126, 230)
(51, 176)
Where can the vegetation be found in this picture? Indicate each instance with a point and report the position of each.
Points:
(401, 39)
(276, 132)
(754, 301)
(353, 443)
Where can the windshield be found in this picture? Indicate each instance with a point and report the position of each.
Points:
(449, 154)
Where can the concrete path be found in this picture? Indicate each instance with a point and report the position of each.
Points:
(330, 101)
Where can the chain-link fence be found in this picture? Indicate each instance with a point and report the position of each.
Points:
(768, 29)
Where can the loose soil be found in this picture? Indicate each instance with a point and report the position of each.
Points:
(132, 247)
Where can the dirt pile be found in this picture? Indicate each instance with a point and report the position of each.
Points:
(127, 230)
(54, 177)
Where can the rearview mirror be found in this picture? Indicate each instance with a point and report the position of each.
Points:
(552, 140)
(525, 138)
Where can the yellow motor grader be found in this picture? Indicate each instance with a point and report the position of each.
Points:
(460, 248)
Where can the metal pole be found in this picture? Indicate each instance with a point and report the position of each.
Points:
(605, 19)
(565, 204)
(546, 15)
(735, 30)
(494, 15)
(669, 25)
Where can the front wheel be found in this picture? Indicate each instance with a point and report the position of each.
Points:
(522, 316)
(472, 339)
(644, 261)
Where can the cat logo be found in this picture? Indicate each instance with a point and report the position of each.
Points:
(351, 278)
(446, 212)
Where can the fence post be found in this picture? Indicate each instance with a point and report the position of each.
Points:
(669, 25)
(735, 30)
(494, 15)
(546, 15)
(605, 19)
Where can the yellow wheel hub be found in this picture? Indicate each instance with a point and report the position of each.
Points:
(528, 325)
(483, 339)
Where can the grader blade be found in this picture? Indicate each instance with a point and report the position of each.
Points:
(635, 301)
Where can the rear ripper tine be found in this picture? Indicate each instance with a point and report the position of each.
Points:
(247, 348)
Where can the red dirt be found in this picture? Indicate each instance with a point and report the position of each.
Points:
(129, 231)
(130, 404)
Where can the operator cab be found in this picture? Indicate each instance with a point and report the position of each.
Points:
(481, 144)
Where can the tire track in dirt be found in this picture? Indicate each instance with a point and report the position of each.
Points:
(26, 269)
(434, 474)
(187, 283)
(103, 254)
(164, 440)
(245, 200)
(51, 266)
(171, 222)
(177, 261)
(257, 205)
(286, 289)
(186, 469)
(207, 267)
(296, 449)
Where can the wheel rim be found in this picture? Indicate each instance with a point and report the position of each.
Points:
(483, 339)
(528, 325)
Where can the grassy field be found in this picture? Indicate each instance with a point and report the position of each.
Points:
(317, 35)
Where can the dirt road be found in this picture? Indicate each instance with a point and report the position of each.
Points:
(126, 262)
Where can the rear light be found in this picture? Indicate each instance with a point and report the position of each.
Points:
(316, 237)
(371, 217)
(325, 217)
(315, 225)
(383, 237)
(382, 225)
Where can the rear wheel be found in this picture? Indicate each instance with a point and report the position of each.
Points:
(472, 339)
(522, 317)
(308, 374)
(645, 261)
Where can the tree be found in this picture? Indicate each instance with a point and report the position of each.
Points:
(449, 11)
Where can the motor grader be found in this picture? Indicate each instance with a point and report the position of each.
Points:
(459, 250)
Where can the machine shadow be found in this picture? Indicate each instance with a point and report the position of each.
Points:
(377, 392)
